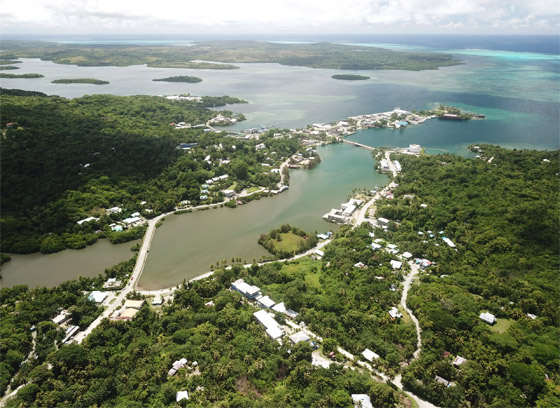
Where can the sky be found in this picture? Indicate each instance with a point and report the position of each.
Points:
(137, 17)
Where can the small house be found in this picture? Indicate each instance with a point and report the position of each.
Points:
(181, 395)
(361, 401)
(370, 355)
(394, 313)
(488, 318)
(299, 337)
(97, 296)
(396, 264)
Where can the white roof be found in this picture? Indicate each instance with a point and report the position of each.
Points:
(299, 337)
(375, 246)
(62, 317)
(319, 252)
(134, 304)
(267, 320)
(459, 360)
(88, 219)
(266, 301)
(279, 307)
(396, 264)
(181, 395)
(488, 317)
(383, 220)
(407, 255)
(394, 312)
(97, 296)
(132, 220)
(369, 355)
(449, 242)
(361, 401)
(245, 288)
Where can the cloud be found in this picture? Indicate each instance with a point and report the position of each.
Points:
(321, 16)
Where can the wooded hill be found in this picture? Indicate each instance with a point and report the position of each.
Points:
(64, 160)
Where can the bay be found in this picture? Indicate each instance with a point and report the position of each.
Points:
(38, 269)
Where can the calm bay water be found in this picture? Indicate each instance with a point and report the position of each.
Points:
(50, 270)
(187, 244)
(518, 90)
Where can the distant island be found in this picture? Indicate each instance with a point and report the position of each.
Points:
(80, 81)
(350, 77)
(14, 76)
(185, 78)
(7, 61)
(7, 67)
(198, 55)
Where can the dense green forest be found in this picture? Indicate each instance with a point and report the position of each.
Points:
(66, 160)
(80, 81)
(183, 78)
(127, 363)
(317, 55)
(503, 216)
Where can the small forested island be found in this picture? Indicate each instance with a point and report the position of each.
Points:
(7, 67)
(350, 77)
(287, 241)
(317, 55)
(80, 81)
(184, 78)
(14, 76)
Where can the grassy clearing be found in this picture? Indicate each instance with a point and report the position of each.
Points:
(289, 242)
(501, 325)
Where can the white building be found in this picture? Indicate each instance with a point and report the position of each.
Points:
(406, 255)
(267, 320)
(370, 355)
(449, 242)
(361, 401)
(97, 296)
(228, 193)
(114, 210)
(394, 313)
(488, 318)
(396, 264)
(414, 148)
(249, 291)
(279, 307)
(62, 317)
(266, 302)
(299, 337)
(383, 221)
(181, 395)
(88, 219)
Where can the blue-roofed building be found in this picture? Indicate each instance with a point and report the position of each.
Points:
(403, 123)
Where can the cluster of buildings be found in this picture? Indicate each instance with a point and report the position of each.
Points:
(221, 120)
(129, 310)
(70, 330)
(177, 365)
(130, 222)
(184, 98)
(263, 316)
(344, 214)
